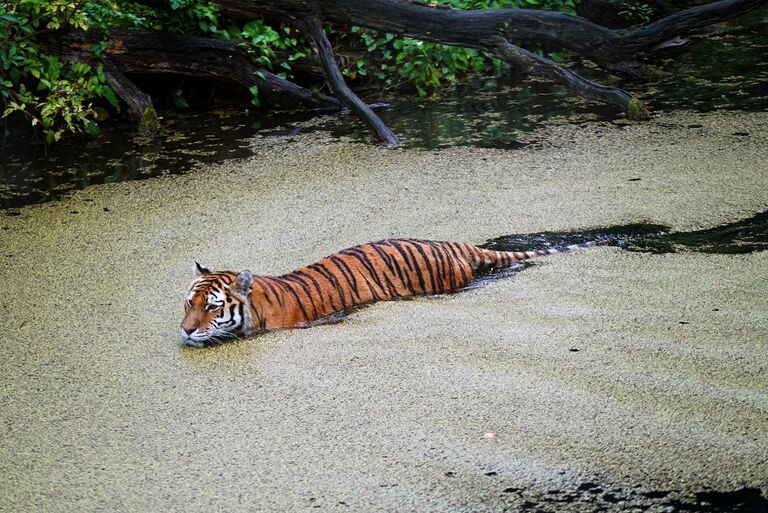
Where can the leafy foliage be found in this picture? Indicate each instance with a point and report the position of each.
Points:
(566, 6)
(53, 94)
(426, 66)
(59, 97)
(636, 13)
(429, 66)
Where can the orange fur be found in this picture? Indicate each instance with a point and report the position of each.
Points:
(383, 270)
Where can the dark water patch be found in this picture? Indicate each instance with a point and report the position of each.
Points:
(744, 236)
(485, 113)
(599, 496)
(743, 500)
(627, 236)
(726, 67)
(31, 173)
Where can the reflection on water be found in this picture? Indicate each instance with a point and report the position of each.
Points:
(29, 175)
(488, 113)
(717, 70)
(725, 69)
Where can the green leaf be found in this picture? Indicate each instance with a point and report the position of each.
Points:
(91, 128)
(108, 94)
(255, 96)
(180, 101)
(98, 49)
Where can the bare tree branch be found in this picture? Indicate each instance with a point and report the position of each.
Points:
(336, 82)
(526, 61)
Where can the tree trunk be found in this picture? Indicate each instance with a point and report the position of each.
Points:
(152, 52)
(466, 27)
(140, 108)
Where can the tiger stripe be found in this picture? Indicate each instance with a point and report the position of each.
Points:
(225, 304)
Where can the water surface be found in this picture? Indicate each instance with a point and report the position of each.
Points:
(743, 236)
(592, 379)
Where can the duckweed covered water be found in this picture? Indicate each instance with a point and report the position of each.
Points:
(594, 379)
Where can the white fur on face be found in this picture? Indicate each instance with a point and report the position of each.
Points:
(228, 320)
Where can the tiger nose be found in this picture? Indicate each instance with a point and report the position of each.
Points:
(188, 331)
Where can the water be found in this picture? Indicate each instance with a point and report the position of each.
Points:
(724, 70)
(486, 113)
(30, 174)
(719, 70)
(744, 236)
(590, 376)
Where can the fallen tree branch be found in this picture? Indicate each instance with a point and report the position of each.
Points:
(139, 105)
(528, 62)
(336, 82)
(467, 27)
(152, 52)
(683, 22)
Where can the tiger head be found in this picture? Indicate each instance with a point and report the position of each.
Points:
(217, 306)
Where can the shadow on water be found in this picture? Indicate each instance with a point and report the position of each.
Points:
(745, 236)
(744, 500)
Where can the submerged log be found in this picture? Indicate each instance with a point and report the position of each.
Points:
(528, 62)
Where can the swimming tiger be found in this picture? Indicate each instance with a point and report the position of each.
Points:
(225, 304)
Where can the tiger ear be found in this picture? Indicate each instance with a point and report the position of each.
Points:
(244, 282)
(200, 270)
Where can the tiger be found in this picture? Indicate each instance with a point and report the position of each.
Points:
(226, 304)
